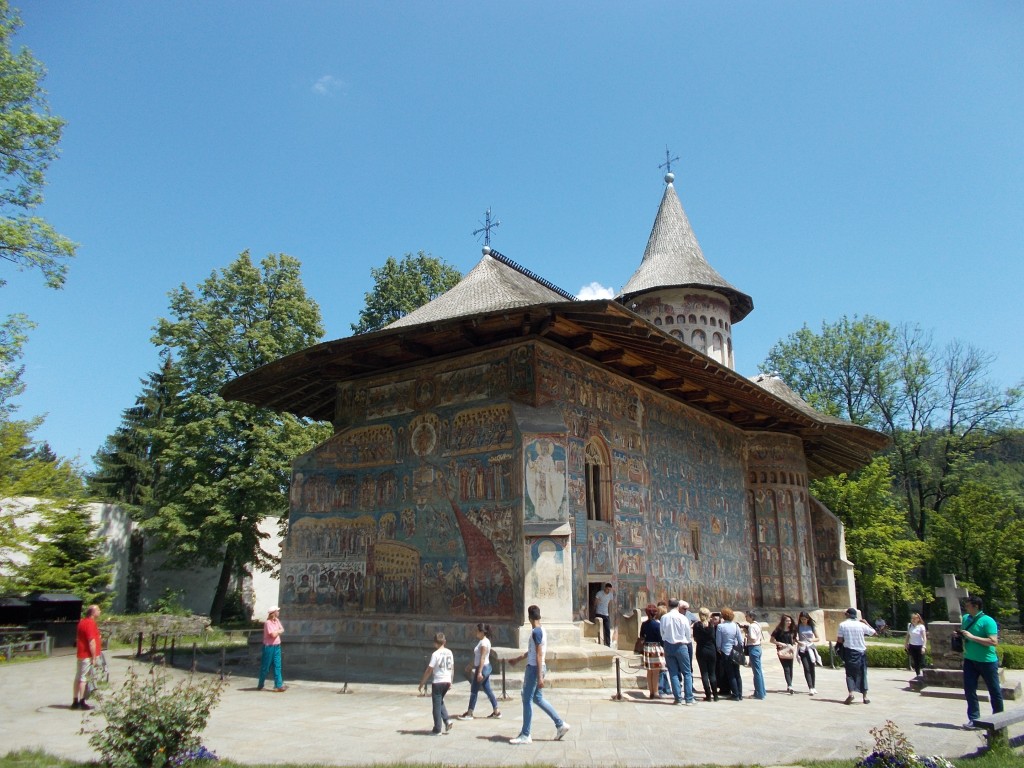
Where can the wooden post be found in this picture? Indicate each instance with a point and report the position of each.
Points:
(194, 656)
(172, 651)
(138, 653)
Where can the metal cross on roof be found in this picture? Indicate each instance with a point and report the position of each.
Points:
(487, 226)
(667, 165)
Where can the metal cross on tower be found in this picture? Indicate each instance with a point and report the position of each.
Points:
(667, 165)
(488, 225)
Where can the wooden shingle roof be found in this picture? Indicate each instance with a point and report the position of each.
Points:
(674, 259)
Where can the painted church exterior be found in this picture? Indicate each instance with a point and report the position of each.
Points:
(507, 445)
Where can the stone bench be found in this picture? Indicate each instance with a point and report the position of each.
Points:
(995, 726)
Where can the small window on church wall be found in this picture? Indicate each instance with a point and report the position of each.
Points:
(669, 320)
(695, 540)
(681, 319)
(703, 320)
(598, 482)
(693, 318)
(657, 321)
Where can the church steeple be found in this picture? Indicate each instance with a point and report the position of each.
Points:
(676, 286)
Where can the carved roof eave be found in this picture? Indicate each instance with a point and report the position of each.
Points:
(304, 383)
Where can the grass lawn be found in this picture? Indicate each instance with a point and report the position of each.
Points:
(36, 759)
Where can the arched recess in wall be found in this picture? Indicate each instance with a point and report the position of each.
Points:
(598, 480)
(699, 341)
(716, 347)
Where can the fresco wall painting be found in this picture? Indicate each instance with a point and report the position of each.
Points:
(413, 506)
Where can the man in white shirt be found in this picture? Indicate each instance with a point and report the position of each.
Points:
(677, 638)
(855, 654)
(602, 610)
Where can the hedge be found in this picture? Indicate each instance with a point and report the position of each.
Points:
(895, 657)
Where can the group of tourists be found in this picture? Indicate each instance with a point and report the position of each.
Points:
(672, 637)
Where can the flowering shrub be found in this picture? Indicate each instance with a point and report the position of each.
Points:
(151, 723)
(893, 750)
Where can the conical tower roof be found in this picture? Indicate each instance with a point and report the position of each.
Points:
(673, 259)
(494, 284)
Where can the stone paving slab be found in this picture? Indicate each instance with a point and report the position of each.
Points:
(314, 723)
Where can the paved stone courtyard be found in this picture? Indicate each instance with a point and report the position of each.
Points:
(313, 722)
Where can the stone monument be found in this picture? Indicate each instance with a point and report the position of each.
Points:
(946, 671)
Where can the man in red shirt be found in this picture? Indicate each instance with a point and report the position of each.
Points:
(89, 648)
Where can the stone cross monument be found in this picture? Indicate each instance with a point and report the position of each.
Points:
(952, 595)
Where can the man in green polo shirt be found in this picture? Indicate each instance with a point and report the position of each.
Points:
(981, 636)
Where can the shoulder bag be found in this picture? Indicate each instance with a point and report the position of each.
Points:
(736, 654)
(956, 641)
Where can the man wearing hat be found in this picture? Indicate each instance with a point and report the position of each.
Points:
(851, 637)
(272, 631)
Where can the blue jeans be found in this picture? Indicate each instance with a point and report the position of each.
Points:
(989, 672)
(440, 711)
(755, 667)
(485, 686)
(680, 668)
(271, 658)
(534, 695)
(856, 664)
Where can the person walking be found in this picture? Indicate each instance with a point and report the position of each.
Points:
(439, 672)
(753, 651)
(533, 681)
(89, 646)
(481, 676)
(981, 636)
(784, 637)
(855, 654)
(916, 643)
(654, 651)
(677, 638)
(602, 610)
(806, 638)
(707, 652)
(272, 631)
(730, 636)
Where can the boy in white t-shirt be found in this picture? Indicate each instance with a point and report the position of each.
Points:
(439, 671)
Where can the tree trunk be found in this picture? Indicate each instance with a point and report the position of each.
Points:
(221, 593)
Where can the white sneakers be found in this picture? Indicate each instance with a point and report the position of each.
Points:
(559, 733)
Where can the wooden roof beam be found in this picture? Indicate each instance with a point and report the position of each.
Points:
(611, 355)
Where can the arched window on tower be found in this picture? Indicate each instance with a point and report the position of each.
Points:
(598, 481)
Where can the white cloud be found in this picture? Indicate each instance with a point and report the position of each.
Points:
(595, 291)
(328, 84)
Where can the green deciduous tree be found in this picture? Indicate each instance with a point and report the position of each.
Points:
(402, 286)
(29, 136)
(226, 465)
(939, 407)
(13, 334)
(884, 551)
(979, 535)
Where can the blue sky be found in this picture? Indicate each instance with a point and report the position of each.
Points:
(835, 158)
